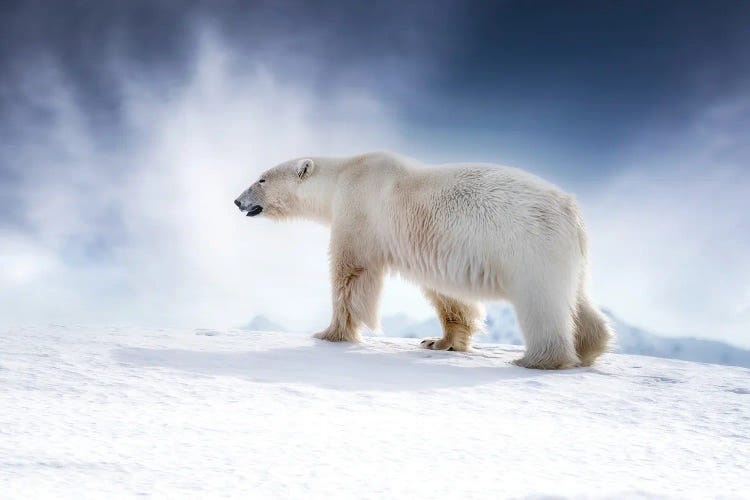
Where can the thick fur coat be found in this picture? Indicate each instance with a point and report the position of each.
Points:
(466, 233)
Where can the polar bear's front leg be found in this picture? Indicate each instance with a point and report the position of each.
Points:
(356, 287)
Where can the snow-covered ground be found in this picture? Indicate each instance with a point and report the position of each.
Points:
(88, 412)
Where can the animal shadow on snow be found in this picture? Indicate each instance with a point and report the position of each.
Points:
(334, 366)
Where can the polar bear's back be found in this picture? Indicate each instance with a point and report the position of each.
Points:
(471, 222)
(483, 198)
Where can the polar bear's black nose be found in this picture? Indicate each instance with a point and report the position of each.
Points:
(237, 202)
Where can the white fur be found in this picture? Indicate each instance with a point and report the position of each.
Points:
(465, 232)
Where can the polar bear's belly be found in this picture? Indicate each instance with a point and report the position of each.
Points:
(464, 273)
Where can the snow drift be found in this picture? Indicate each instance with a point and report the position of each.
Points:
(89, 412)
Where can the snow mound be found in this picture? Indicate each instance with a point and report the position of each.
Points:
(88, 412)
(261, 323)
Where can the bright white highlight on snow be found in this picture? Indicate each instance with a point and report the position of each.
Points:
(98, 412)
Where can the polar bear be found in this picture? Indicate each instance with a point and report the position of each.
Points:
(466, 233)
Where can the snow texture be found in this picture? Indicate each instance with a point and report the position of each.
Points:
(95, 413)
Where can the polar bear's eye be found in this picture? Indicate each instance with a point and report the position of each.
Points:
(262, 181)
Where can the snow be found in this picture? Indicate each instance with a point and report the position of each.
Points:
(89, 412)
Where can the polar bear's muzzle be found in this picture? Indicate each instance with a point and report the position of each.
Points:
(252, 210)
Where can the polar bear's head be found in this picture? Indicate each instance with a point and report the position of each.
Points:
(279, 192)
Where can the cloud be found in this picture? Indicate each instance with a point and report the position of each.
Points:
(671, 231)
(140, 228)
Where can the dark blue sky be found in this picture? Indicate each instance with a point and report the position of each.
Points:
(578, 77)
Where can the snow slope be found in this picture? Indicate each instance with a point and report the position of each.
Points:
(89, 412)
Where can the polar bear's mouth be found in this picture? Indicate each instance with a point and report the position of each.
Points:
(254, 210)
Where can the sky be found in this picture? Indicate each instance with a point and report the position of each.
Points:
(128, 128)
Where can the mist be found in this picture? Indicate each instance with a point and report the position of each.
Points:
(116, 192)
(160, 242)
(671, 230)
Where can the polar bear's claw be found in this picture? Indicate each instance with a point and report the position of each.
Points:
(436, 345)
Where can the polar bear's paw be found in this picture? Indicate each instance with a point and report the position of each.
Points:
(545, 363)
(441, 344)
(336, 336)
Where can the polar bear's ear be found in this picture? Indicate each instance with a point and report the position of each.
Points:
(305, 168)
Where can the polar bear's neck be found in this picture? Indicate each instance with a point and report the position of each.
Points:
(317, 193)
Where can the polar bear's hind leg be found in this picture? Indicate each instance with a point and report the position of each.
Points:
(546, 322)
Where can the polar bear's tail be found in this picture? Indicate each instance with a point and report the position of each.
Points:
(593, 335)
